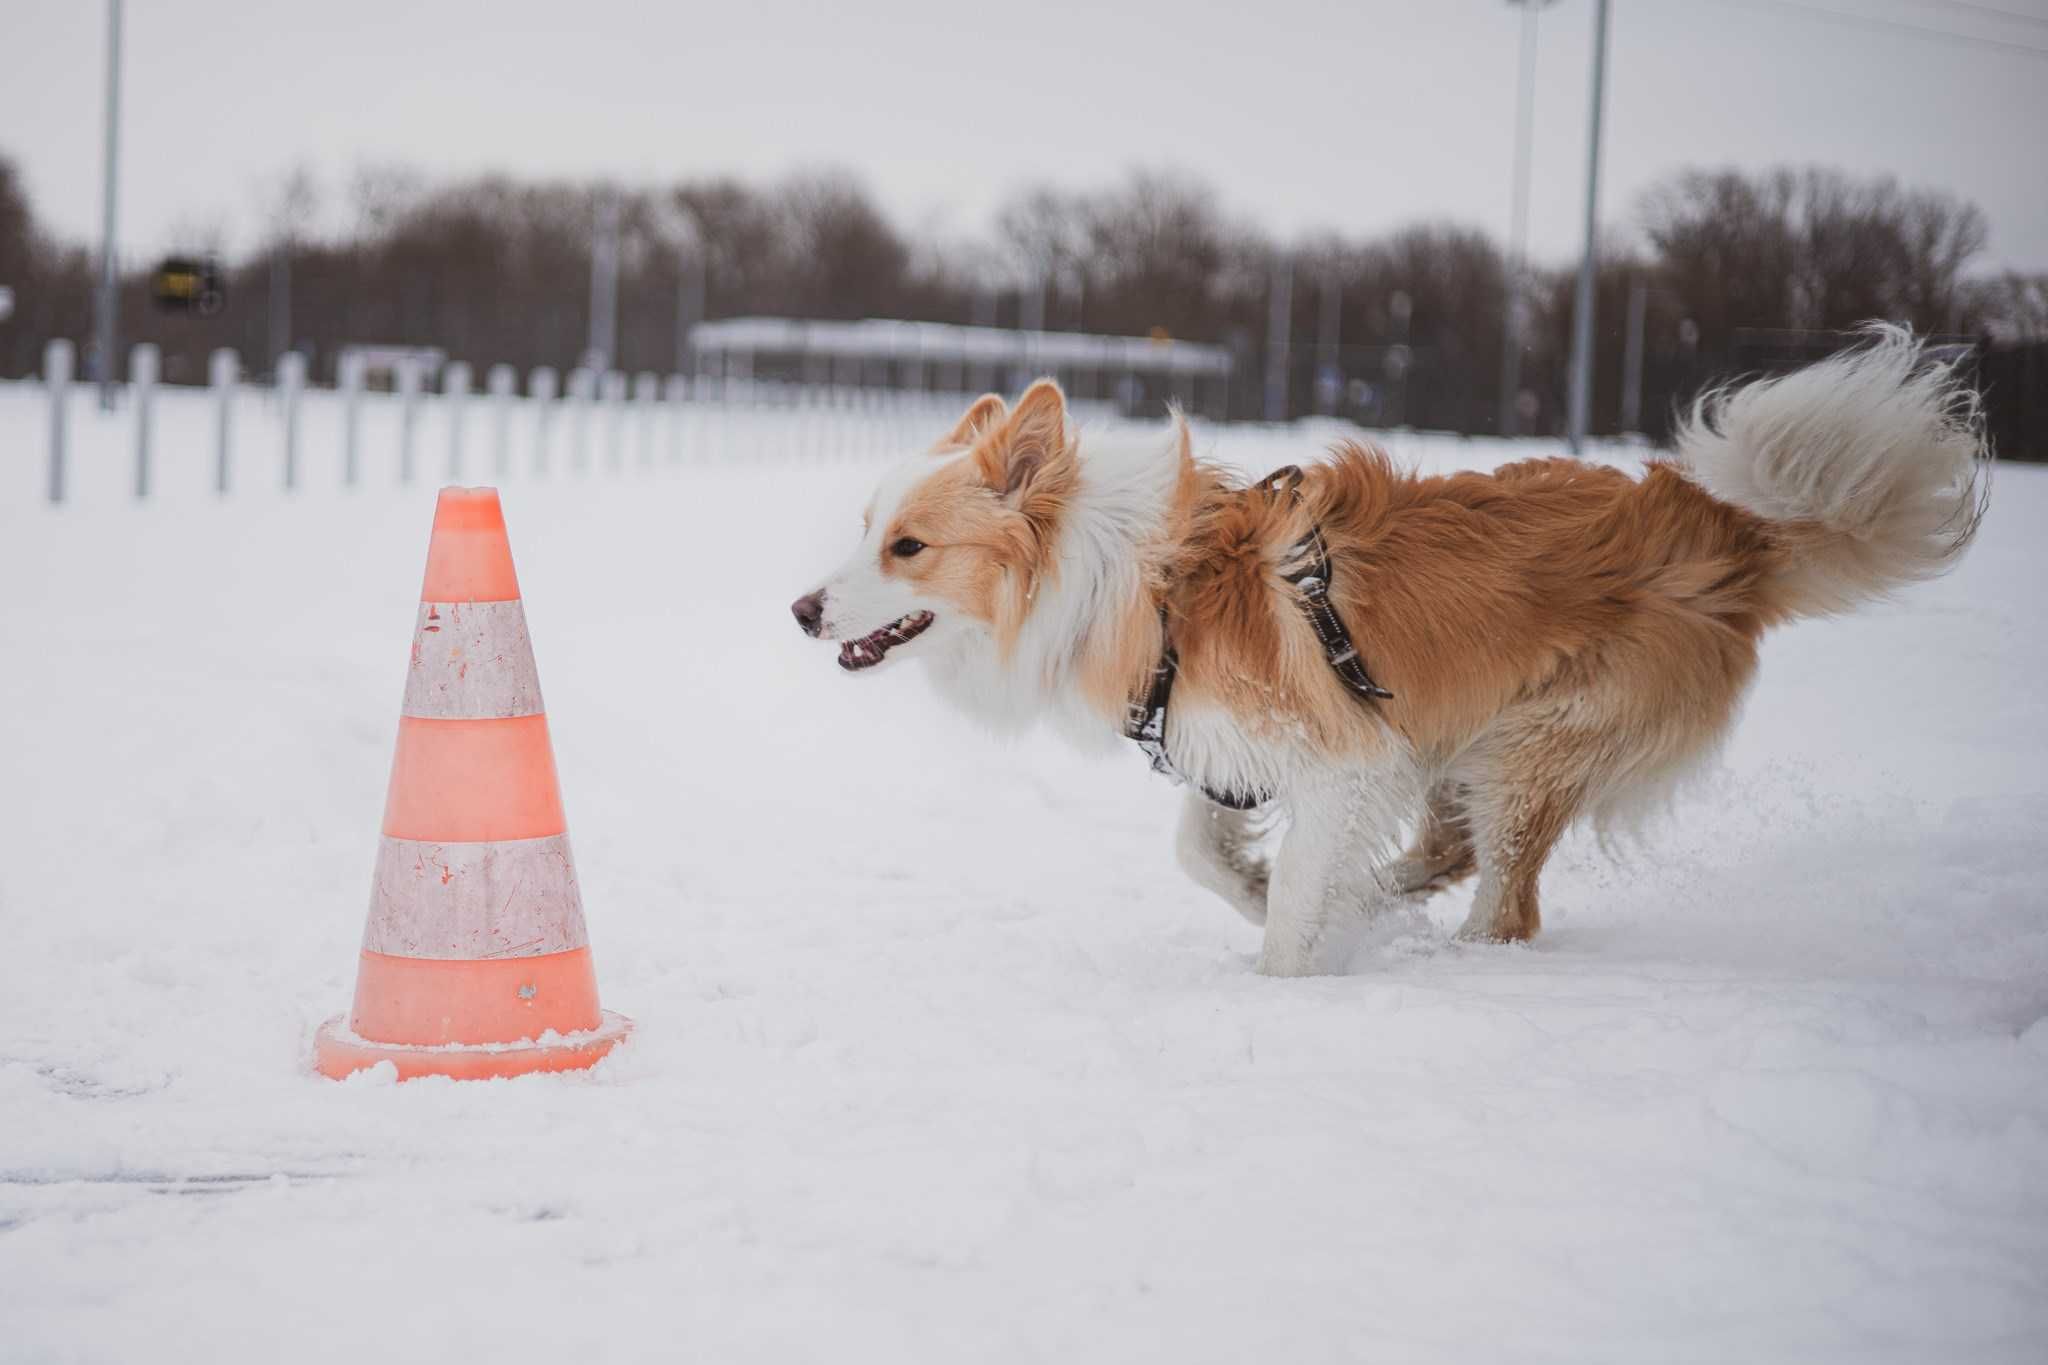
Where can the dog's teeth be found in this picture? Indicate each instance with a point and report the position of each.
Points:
(872, 648)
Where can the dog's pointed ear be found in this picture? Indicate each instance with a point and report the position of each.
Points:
(982, 414)
(1034, 435)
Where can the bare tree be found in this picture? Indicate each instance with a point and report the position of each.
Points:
(1811, 249)
(841, 257)
(2013, 307)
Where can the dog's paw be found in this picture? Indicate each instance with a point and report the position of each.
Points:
(1285, 960)
(1419, 879)
(1495, 931)
(1421, 888)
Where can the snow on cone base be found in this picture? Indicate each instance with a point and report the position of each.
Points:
(339, 1054)
(475, 961)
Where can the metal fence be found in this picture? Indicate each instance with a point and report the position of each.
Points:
(420, 420)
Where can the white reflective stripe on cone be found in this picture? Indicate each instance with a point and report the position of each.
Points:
(471, 661)
(513, 898)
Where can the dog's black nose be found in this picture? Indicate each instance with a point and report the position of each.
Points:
(809, 611)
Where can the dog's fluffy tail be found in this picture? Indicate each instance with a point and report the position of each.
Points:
(1871, 467)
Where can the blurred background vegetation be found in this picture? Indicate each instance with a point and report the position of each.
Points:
(1737, 271)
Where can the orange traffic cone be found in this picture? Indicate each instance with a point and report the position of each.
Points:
(475, 962)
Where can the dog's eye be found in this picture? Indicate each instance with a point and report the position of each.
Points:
(906, 547)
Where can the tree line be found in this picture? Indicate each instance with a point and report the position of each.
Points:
(493, 269)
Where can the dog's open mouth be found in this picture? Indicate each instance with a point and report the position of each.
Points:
(869, 649)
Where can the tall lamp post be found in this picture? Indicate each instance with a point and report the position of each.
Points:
(602, 352)
(1582, 310)
(1514, 323)
(107, 313)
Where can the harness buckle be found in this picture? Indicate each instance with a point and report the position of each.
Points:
(1285, 479)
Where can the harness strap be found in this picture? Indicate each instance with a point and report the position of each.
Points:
(1145, 721)
(1145, 725)
(1312, 581)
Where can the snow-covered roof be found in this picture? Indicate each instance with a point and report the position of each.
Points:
(890, 339)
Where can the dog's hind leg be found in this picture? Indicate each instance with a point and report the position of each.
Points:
(1219, 849)
(1519, 812)
(1442, 853)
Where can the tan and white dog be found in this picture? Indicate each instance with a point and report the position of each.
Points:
(1561, 640)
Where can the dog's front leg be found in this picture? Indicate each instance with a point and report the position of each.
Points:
(1219, 849)
(1329, 874)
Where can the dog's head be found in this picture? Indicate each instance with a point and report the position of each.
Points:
(955, 541)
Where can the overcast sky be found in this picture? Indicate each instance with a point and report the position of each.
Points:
(1355, 116)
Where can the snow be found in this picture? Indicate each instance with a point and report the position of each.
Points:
(937, 1056)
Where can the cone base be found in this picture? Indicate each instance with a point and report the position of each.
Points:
(337, 1053)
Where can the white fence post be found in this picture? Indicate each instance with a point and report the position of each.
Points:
(646, 393)
(349, 375)
(59, 357)
(615, 418)
(455, 396)
(221, 370)
(582, 392)
(674, 390)
(143, 364)
(408, 413)
(541, 388)
(291, 380)
(499, 379)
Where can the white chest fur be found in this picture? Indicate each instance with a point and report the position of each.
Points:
(1213, 748)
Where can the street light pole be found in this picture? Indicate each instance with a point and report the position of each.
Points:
(107, 314)
(1329, 368)
(604, 285)
(1514, 322)
(1582, 311)
(1279, 321)
(689, 306)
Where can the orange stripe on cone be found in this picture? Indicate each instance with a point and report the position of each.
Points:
(430, 1001)
(468, 781)
(470, 557)
(473, 803)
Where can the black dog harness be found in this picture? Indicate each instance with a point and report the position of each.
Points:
(1145, 722)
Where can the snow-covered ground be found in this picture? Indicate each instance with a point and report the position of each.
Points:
(938, 1057)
